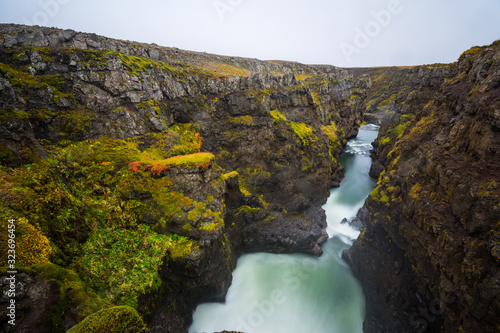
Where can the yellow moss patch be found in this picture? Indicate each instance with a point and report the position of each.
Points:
(302, 131)
(302, 77)
(186, 161)
(472, 51)
(32, 247)
(278, 116)
(394, 133)
(316, 99)
(225, 70)
(243, 120)
(415, 191)
(331, 131)
(196, 160)
(231, 174)
(306, 164)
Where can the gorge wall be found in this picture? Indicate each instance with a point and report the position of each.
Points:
(136, 174)
(429, 255)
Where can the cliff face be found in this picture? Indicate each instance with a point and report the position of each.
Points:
(428, 257)
(147, 170)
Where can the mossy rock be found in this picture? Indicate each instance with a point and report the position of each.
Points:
(58, 298)
(77, 297)
(119, 319)
(6, 155)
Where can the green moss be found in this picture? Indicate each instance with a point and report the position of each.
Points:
(73, 299)
(134, 257)
(182, 139)
(12, 113)
(382, 193)
(306, 164)
(90, 185)
(137, 66)
(153, 103)
(181, 247)
(119, 319)
(76, 121)
(79, 299)
(472, 51)
(488, 189)
(394, 133)
(187, 161)
(211, 227)
(6, 155)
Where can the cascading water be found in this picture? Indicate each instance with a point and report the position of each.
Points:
(297, 293)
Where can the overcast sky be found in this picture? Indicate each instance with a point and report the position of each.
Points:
(347, 33)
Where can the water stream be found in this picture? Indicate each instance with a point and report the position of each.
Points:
(298, 293)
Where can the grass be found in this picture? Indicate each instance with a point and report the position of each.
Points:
(198, 160)
(222, 70)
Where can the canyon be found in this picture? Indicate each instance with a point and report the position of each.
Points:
(138, 174)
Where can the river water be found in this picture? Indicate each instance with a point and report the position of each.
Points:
(297, 293)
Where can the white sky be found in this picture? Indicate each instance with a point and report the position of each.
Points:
(338, 32)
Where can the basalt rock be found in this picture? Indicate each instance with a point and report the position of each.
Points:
(427, 258)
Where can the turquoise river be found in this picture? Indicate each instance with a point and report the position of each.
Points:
(297, 293)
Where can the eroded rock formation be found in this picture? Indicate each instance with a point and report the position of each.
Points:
(147, 170)
(428, 258)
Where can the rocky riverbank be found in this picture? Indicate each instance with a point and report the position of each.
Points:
(428, 257)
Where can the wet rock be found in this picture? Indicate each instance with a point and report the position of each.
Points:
(429, 249)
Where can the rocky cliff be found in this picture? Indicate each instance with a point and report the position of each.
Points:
(136, 174)
(429, 256)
